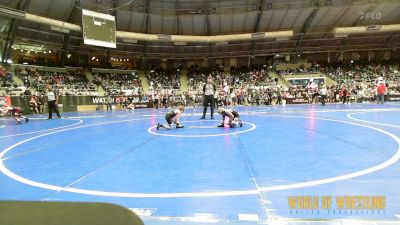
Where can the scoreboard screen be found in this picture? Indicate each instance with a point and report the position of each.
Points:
(98, 29)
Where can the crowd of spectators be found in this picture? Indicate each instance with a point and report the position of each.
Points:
(358, 80)
(119, 83)
(6, 81)
(240, 86)
(363, 78)
(5, 76)
(68, 83)
(197, 77)
(164, 78)
(301, 69)
(253, 77)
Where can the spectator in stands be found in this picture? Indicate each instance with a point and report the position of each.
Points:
(26, 81)
(27, 92)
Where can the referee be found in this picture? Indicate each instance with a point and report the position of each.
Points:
(52, 103)
(208, 97)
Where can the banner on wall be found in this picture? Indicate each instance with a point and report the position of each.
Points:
(136, 99)
(5, 101)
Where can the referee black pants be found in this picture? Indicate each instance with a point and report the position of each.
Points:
(208, 99)
(53, 106)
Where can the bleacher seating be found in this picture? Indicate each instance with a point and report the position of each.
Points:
(116, 82)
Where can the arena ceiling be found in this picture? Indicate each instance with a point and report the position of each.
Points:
(311, 20)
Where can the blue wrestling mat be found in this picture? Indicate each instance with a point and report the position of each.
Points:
(286, 164)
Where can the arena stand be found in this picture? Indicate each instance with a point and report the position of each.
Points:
(118, 82)
(240, 86)
(285, 69)
(164, 78)
(196, 79)
(253, 86)
(69, 81)
(359, 79)
(7, 84)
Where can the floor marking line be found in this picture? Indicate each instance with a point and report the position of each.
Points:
(108, 162)
(86, 117)
(342, 110)
(378, 167)
(44, 147)
(23, 153)
(39, 131)
(248, 217)
(253, 174)
(200, 127)
(150, 130)
(371, 122)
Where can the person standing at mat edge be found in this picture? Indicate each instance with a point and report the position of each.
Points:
(323, 92)
(52, 103)
(380, 90)
(208, 97)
